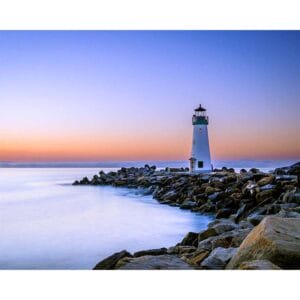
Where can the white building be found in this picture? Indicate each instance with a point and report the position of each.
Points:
(200, 158)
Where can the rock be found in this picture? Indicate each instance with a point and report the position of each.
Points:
(230, 239)
(244, 224)
(267, 187)
(218, 258)
(262, 264)
(264, 195)
(223, 213)
(227, 239)
(229, 179)
(279, 171)
(181, 249)
(110, 262)
(84, 180)
(288, 206)
(206, 244)
(158, 251)
(255, 219)
(222, 226)
(198, 256)
(207, 207)
(286, 178)
(203, 235)
(191, 239)
(273, 209)
(214, 197)
(258, 176)
(275, 239)
(171, 196)
(158, 262)
(288, 214)
(240, 213)
(295, 169)
(210, 190)
(291, 196)
(296, 209)
(187, 204)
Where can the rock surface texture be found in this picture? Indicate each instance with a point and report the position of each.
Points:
(110, 262)
(218, 258)
(158, 262)
(262, 264)
(275, 239)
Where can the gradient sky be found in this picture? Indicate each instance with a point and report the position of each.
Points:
(130, 95)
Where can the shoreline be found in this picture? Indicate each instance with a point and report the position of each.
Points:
(242, 204)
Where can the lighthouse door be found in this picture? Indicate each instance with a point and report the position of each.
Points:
(200, 164)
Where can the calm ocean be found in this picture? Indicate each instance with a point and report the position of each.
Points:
(46, 223)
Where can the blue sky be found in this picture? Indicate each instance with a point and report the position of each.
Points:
(112, 95)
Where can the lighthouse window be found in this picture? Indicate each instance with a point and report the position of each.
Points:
(200, 164)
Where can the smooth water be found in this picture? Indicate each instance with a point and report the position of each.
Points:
(46, 223)
(263, 165)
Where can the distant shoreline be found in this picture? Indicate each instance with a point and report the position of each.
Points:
(236, 164)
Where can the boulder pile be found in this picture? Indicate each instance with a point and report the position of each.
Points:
(241, 203)
(226, 194)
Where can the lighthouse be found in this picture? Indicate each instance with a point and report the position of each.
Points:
(200, 158)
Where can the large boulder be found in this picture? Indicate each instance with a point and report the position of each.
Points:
(191, 239)
(187, 204)
(153, 252)
(275, 239)
(293, 169)
(158, 262)
(227, 239)
(222, 225)
(255, 219)
(223, 213)
(232, 238)
(218, 258)
(110, 262)
(266, 180)
(171, 196)
(264, 196)
(209, 232)
(196, 257)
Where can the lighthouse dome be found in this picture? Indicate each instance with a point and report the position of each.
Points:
(200, 108)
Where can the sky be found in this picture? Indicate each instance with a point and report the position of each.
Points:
(130, 95)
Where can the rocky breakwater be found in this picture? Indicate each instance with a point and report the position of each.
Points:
(239, 201)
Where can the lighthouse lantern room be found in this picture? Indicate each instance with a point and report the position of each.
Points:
(200, 158)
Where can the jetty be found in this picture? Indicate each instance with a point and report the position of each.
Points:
(256, 217)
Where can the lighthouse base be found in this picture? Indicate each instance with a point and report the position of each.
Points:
(201, 171)
(198, 166)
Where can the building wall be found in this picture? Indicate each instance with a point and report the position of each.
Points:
(200, 147)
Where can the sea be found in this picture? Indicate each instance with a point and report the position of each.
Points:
(47, 223)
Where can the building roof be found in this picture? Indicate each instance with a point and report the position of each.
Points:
(200, 108)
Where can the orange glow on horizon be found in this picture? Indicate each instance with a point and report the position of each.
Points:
(140, 147)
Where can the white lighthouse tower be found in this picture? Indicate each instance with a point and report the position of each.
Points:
(200, 158)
